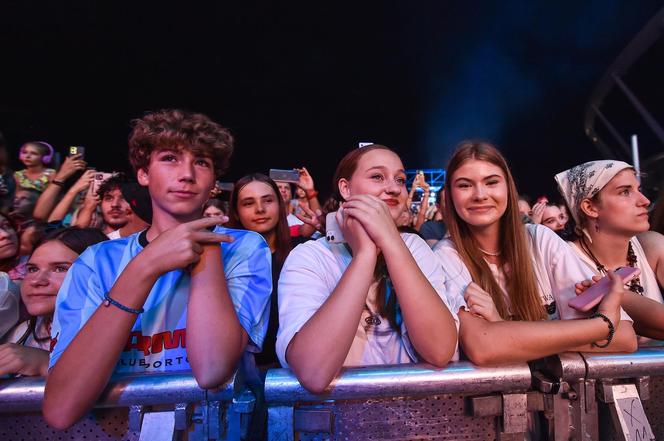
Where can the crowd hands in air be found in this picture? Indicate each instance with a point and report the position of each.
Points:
(174, 270)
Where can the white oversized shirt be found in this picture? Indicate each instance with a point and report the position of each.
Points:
(310, 274)
(557, 269)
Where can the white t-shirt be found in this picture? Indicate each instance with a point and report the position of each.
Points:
(293, 220)
(557, 269)
(42, 331)
(115, 234)
(310, 274)
(10, 299)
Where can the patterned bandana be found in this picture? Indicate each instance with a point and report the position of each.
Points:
(585, 181)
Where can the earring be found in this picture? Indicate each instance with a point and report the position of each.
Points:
(597, 226)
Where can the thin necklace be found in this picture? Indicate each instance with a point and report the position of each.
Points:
(496, 254)
(635, 284)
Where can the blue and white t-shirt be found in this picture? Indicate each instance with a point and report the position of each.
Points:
(158, 339)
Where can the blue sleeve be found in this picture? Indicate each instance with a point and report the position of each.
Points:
(79, 297)
(248, 267)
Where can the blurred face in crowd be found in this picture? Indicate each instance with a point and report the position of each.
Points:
(379, 173)
(179, 183)
(114, 209)
(258, 207)
(285, 191)
(28, 238)
(213, 211)
(553, 218)
(46, 270)
(31, 155)
(300, 193)
(524, 208)
(564, 214)
(479, 193)
(621, 207)
(405, 219)
(24, 203)
(8, 239)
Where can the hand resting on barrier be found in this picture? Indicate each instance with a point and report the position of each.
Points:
(23, 360)
(337, 315)
(524, 340)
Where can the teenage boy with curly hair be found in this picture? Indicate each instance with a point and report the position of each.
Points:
(176, 296)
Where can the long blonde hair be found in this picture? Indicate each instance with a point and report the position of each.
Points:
(522, 286)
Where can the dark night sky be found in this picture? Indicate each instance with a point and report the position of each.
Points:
(301, 85)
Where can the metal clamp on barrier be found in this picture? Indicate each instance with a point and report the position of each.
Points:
(151, 407)
(401, 401)
(568, 397)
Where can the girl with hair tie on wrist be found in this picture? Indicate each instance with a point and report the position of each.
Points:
(514, 280)
(610, 216)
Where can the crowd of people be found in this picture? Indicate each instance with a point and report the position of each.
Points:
(173, 271)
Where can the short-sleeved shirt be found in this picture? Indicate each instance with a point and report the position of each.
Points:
(310, 274)
(158, 338)
(557, 269)
(10, 300)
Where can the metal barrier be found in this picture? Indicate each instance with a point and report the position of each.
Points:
(574, 396)
(625, 385)
(403, 402)
(138, 407)
(595, 396)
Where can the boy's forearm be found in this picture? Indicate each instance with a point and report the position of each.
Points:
(68, 397)
(215, 337)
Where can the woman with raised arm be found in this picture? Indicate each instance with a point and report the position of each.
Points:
(610, 215)
(512, 277)
(378, 298)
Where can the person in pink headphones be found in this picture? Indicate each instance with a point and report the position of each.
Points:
(35, 155)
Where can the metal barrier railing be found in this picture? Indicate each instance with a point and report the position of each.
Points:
(381, 401)
(575, 396)
(595, 396)
(157, 406)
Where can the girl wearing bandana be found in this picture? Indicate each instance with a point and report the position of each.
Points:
(514, 281)
(611, 229)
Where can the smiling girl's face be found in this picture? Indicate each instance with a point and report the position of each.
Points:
(46, 270)
(379, 173)
(479, 193)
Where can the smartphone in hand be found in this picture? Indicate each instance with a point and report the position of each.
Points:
(333, 232)
(77, 150)
(292, 175)
(593, 295)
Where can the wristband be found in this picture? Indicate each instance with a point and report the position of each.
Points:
(612, 330)
(311, 194)
(58, 183)
(109, 301)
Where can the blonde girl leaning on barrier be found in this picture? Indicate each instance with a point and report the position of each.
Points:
(611, 227)
(512, 277)
(377, 299)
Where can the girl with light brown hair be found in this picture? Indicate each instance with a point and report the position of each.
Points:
(513, 277)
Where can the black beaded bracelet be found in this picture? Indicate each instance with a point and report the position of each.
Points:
(58, 183)
(109, 301)
(612, 330)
